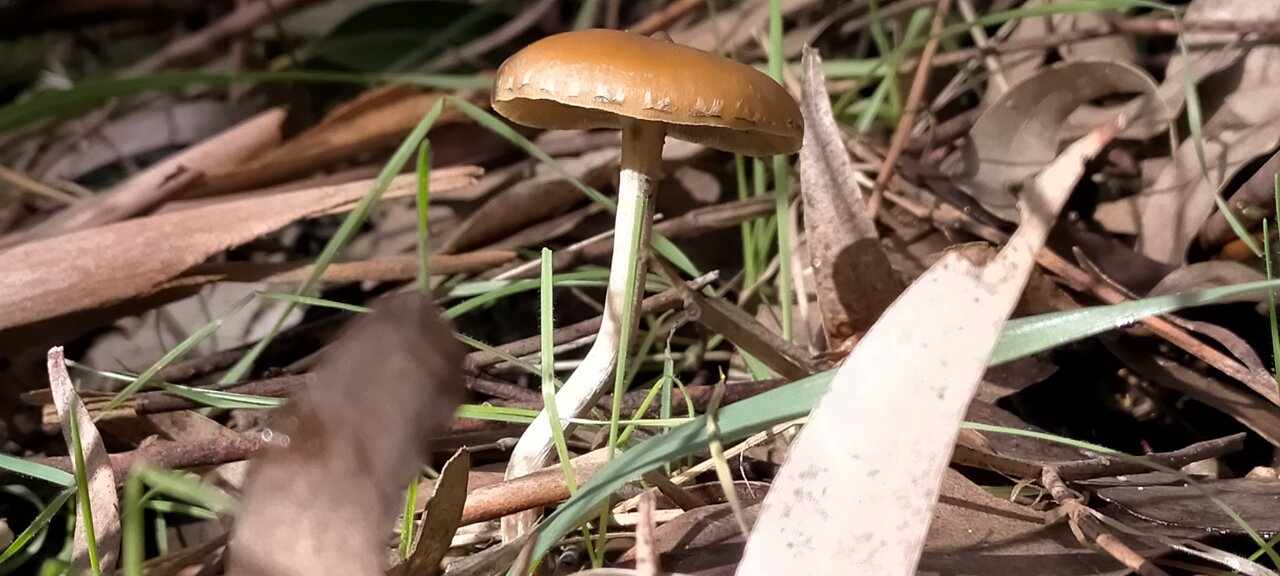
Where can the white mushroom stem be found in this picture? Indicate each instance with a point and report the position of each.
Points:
(641, 167)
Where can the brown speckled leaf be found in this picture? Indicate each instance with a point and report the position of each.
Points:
(853, 277)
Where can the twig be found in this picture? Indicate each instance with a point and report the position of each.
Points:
(482, 45)
(908, 120)
(233, 448)
(1081, 517)
(1105, 466)
(244, 19)
(669, 299)
(664, 18)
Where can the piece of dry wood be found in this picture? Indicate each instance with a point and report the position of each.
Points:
(108, 264)
(162, 180)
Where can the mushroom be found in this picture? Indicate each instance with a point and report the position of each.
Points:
(649, 88)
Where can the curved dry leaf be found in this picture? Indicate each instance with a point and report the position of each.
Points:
(440, 519)
(323, 492)
(914, 374)
(1171, 213)
(112, 263)
(1114, 48)
(104, 504)
(164, 124)
(853, 279)
(1018, 135)
(1210, 274)
(534, 200)
(1227, 50)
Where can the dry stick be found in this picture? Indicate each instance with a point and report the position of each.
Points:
(1268, 30)
(1092, 529)
(981, 40)
(482, 45)
(244, 19)
(25, 184)
(1107, 466)
(223, 449)
(664, 18)
(909, 110)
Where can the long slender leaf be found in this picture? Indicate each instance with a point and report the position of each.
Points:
(794, 400)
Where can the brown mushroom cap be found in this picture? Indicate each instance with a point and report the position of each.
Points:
(594, 78)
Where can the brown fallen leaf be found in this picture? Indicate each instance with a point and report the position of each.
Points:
(181, 123)
(1187, 507)
(377, 118)
(844, 475)
(1018, 135)
(323, 492)
(109, 264)
(148, 189)
(853, 279)
(545, 195)
(377, 270)
(104, 505)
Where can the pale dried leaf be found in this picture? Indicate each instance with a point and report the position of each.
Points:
(845, 474)
(1018, 135)
(108, 264)
(324, 491)
(1171, 213)
(1114, 48)
(103, 502)
(543, 196)
(1210, 274)
(378, 118)
(853, 279)
(155, 127)
(142, 192)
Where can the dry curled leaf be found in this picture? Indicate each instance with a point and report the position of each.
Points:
(103, 502)
(854, 280)
(324, 491)
(1018, 135)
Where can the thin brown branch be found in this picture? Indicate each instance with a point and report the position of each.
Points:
(1081, 517)
(1105, 466)
(910, 108)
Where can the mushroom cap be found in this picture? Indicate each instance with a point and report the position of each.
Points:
(597, 78)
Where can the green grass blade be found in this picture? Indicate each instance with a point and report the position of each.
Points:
(177, 352)
(36, 527)
(546, 331)
(406, 521)
(1025, 336)
(82, 491)
(38, 471)
(424, 202)
(345, 232)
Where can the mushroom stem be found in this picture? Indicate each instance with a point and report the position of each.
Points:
(640, 170)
